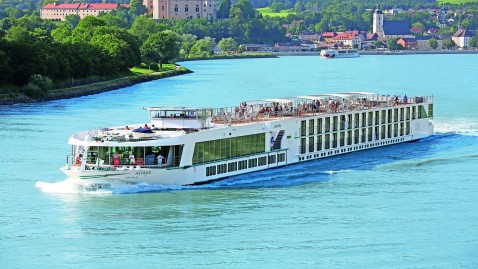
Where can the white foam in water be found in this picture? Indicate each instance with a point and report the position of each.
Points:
(80, 187)
(66, 186)
(331, 172)
(459, 126)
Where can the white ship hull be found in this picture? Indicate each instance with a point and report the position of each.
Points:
(346, 53)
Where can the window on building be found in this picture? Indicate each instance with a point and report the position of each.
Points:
(186, 8)
(197, 8)
(176, 8)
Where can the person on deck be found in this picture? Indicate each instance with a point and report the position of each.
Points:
(131, 159)
(160, 160)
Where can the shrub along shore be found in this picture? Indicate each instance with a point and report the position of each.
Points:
(114, 84)
(8, 99)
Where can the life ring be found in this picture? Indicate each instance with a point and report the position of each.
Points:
(139, 161)
(78, 160)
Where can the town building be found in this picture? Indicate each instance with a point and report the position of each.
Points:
(423, 42)
(184, 9)
(349, 39)
(462, 37)
(56, 11)
(408, 43)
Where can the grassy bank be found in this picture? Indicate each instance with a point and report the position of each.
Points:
(138, 75)
(251, 55)
(266, 11)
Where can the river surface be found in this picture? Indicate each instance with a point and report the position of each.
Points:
(413, 205)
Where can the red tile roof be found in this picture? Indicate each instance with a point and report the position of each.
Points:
(345, 36)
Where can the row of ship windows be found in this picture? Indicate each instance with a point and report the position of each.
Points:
(335, 140)
(244, 164)
(364, 119)
(221, 149)
(332, 152)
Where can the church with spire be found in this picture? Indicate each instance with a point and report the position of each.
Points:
(386, 28)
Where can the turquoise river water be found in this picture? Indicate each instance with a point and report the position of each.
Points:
(413, 205)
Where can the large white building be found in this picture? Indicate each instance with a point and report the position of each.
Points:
(183, 9)
(58, 11)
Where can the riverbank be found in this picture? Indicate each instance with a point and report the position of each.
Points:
(95, 88)
(374, 52)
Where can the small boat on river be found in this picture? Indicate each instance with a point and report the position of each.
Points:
(342, 53)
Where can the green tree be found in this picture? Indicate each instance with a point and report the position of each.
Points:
(242, 11)
(13, 12)
(392, 44)
(18, 34)
(420, 26)
(449, 43)
(241, 49)
(187, 42)
(137, 8)
(299, 6)
(61, 34)
(73, 20)
(276, 6)
(161, 47)
(203, 47)
(474, 41)
(433, 43)
(143, 27)
(224, 8)
(228, 45)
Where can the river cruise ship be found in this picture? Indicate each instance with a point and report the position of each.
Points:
(193, 145)
(343, 53)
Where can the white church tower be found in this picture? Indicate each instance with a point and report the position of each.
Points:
(378, 22)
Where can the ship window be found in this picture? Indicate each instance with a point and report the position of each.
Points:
(222, 149)
(327, 141)
(319, 142)
(319, 126)
(302, 145)
(342, 122)
(327, 124)
(311, 144)
(303, 128)
(422, 113)
(430, 110)
(311, 127)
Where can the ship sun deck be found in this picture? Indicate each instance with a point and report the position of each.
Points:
(167, 122)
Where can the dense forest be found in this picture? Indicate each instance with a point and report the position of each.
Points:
(37, 55)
